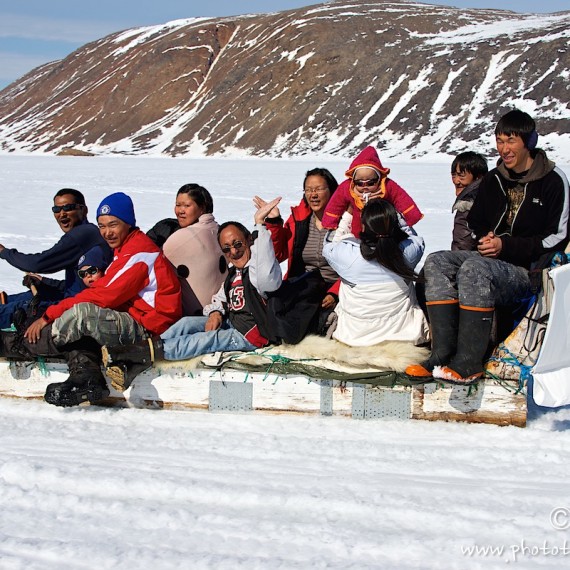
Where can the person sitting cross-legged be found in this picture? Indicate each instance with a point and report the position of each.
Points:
(235, 320)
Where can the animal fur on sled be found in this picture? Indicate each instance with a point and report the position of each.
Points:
(389, 355)
(319, 352)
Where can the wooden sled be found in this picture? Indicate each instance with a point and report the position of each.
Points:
(280, 380)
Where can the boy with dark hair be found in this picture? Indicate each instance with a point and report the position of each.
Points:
(521, 213)
(467, 170)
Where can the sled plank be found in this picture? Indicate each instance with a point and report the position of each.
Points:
(179, 388)
(484, 402)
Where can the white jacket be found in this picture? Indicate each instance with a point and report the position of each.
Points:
(375, 304)
(264, 271)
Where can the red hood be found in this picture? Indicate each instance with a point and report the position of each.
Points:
(369, 158)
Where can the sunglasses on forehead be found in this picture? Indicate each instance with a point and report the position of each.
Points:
(65, 208)
(91, 270)
(236, 245)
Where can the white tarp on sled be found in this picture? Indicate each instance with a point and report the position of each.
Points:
(552, 371)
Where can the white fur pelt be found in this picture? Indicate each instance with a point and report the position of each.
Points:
(389, 355)
(326, 353)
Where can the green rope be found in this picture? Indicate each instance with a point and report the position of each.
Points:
(42, 366)
(524, 376)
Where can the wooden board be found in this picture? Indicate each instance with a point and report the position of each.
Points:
(238, 390)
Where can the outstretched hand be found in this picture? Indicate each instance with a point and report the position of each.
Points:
(265, 209)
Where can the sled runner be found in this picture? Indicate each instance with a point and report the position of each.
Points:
(362, 383)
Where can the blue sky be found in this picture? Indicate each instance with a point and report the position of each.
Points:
(33, 32)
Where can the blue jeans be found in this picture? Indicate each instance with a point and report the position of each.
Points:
(187, 338)
(17, 301)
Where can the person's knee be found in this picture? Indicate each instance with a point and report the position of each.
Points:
(79, 319)
(474, 270)
(432, 265)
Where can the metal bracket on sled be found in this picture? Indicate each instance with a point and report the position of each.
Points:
(230, 396)
(375, 403)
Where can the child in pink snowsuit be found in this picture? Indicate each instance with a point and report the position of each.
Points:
(355, 192)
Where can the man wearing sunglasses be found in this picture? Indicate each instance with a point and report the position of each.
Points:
(70, 213)
(235, 320)
(138, 296)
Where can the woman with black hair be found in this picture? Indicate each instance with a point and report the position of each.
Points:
(193, 247)
(377, 301)
(300, 239)
(192, 200)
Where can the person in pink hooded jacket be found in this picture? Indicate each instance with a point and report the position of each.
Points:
(367, 179)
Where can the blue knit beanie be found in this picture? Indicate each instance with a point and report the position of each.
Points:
(95, 257)
(119, 205)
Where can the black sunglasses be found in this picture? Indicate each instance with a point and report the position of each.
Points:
(236, 245)
(366, 183)
(91, 270)
(65, 208)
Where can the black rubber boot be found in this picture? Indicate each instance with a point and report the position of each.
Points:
(124, 362)
(444, 325)
(86, 382)
(472, 343)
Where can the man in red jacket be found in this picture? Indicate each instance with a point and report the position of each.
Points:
(138, 296)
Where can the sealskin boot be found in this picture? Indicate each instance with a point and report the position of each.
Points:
(444, 324)
(124, 362)
(86, 382)
(466, 367)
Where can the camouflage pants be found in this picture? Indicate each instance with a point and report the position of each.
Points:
(106, 326)
(474, 280)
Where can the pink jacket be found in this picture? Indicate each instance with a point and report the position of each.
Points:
(346, 195)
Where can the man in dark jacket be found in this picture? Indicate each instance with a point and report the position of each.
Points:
(70, 212)
(520, 213)
(138, 295)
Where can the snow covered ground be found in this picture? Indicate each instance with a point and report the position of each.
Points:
(98, 488)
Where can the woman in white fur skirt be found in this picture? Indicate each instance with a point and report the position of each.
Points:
(377, 300)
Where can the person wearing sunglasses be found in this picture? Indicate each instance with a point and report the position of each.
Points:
(235, 320)
(91, 266)
(367, 179)
(79, 236)
(138, 296)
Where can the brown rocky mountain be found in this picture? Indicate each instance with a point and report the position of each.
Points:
(410, 78)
